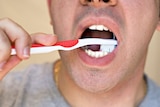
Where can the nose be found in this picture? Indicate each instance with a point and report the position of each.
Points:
(98, 3)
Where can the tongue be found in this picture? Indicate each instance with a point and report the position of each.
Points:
(96, 34)
(94, 47)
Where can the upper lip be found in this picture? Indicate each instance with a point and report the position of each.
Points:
(92, 20)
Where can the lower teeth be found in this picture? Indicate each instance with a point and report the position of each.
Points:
(104, 50)
(96, 54)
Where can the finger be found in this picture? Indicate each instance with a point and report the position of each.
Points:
(17, 35)
(12, 62)
(5, 47)
(45, 39)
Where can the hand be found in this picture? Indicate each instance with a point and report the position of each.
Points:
(12, 33)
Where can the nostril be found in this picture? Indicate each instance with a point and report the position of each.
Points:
(98, 0)
(106, 1)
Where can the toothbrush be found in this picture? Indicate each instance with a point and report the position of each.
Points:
(68, 45)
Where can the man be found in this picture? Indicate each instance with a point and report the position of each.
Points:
(83, 80)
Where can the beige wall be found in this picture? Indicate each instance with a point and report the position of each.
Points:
(33, 16)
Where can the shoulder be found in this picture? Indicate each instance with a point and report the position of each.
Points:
(35, 70)
(25, 84)
(30, 75)
(152, 98)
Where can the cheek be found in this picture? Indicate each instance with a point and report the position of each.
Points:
(58, 14)
(69, 58)
(138, 15)
(63, 18)
(62, 10)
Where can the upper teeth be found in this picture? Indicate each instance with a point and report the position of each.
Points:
(98, 27)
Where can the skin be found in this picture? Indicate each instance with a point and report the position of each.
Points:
(115, 77)
(103, 84)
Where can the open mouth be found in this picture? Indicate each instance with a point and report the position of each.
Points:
(98, 31)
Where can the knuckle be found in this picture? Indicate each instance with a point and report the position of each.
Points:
(4, 47)
(5, 20)
(4, 55)
(3, 38)
(24, 40)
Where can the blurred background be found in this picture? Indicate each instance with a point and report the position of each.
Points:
(33, 16)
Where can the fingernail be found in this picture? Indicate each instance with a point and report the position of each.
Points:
(2, 65)
(26, 52)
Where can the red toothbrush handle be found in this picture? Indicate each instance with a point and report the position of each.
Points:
(68, 43)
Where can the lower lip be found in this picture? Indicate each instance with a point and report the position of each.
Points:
(103, 61)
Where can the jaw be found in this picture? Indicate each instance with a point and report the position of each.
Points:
(99, 74)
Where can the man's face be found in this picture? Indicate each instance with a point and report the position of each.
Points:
(132, 22)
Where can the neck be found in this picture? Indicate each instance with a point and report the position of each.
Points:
(129, 93)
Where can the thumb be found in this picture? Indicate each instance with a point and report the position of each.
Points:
(44, 39)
